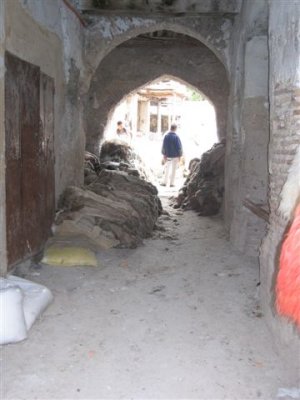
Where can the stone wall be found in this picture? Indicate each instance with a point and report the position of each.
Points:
(248, 127)
(138, 62)
(284, 45)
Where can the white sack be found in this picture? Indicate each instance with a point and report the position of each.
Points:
(21, 303)
(12, 320)
(36, 298)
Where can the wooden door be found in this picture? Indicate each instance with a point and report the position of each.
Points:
(29, 168)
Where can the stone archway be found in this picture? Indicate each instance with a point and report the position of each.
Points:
(144, 59)
(107, 32)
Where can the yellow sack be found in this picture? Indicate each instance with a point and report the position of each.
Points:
(68, 256)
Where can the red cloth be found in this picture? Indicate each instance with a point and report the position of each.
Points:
(288, 279)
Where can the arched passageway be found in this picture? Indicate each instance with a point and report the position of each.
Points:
(148, 113)
(144, 59)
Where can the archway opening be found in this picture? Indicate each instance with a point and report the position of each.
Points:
(146, 58)
(147, 115)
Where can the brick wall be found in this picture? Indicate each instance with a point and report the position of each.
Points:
(285, 138)
(284, 93)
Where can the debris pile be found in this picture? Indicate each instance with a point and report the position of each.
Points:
(115, 155)
(91, 164)
(116, 210)
(204, 186)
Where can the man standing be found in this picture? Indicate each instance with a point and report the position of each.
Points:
(172, 151)
(121, 130)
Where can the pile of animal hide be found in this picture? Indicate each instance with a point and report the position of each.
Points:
(117, 209)
(115, 155)
(204, 186)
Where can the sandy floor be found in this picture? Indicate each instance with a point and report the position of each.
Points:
(176, 318)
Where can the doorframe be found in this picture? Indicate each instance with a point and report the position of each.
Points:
(3, 251)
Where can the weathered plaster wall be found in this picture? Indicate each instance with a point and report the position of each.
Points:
(106, 32)
(136, 63)
(248, 127)
(284, 45)
(48, 35)
(3, 260)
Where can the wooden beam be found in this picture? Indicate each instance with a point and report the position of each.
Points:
(157, 14)
(260, 210)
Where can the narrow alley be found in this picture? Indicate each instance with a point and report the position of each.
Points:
(149, 199)
(175, 318)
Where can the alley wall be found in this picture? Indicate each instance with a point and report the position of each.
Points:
(284, 44)
(248, 128)
(48, 35)
(262, 139)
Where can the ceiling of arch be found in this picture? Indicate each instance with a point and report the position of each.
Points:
(161, 6)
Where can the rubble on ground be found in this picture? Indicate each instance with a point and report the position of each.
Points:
(204, 186)
(116, 210)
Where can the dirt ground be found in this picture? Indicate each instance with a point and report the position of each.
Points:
(177, 318)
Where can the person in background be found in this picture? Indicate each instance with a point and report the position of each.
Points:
(172, 152)
(122, 132)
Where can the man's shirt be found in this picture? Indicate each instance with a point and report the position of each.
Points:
(172, 146)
